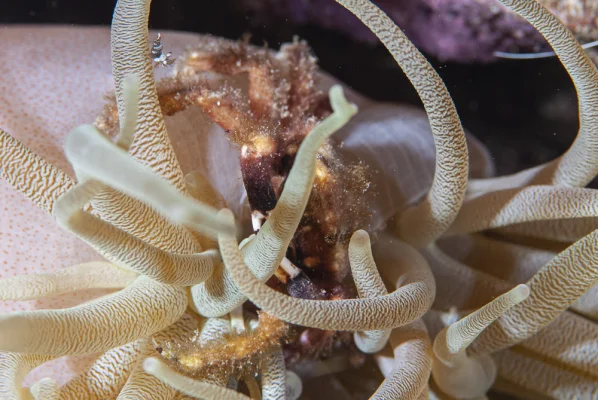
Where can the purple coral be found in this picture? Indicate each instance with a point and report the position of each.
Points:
(451, 30)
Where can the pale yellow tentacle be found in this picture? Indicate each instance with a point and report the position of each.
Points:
(92, 153)
(404, 305)
(137, 311)
(369, 284)
(412, 352)
(105, 378)
(35, 178)
(146, 133)
(554, 288)
(273, 376)
(140, 385)
(188, 386)
(90, 275)
(532, 203)
(124, 249)
(534, 378)
(579, 165)
(558, 230)
(429, 219)
(511, 262)
(130, 55)
(45, 389)
(456, 373)
(13, 368)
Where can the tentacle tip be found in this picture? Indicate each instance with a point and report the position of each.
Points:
(227, 219)
(340, 103)
(151, 365)
(360, 237)
(38, 388)
(521, 292)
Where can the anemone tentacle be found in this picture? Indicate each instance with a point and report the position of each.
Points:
(38, 180)
(454, 372)
(578, 166)
(188, 386)
(404, 305)
(369, 284)
(426, 221)
(124, 249)
(139, 310)
(412, 364)
(90, 275)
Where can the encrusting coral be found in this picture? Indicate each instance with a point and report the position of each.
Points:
(181, 324)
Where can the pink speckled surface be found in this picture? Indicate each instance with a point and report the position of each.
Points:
(54, 79)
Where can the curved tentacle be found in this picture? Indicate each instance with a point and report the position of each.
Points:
(404, 305)
(139, 310)
(426, 221)
(105, 377)
(565, 230)
(457, 374)
(533, 203)
(45, 389)
(273, 373)
(130, 55)
(124, 249)
(579, 165)
(90, 275)
(140, 385)
(519, 373)
(511, 262)
(219, 294)
(188, 386)
(369, 284)
(554, 288)
(14, 368)
(92, 153)
(128, 214)
(412, 363)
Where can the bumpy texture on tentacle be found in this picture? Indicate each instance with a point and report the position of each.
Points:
(532, 203)
(455, 373)
(38, 180)
(92, 153)
(369, 284)
(90, 275)
(274, 376)
(137, 311)
(412, 364)
(147, 131)
(124, 249)
(141, 385)
(130, 55)
(558, 230)
(426, 221)
(105, 377)
(579, 165)
(13, 369)
(188, 386)
(554, 288)
(219, 295)
(46, 389)
(404, 305)
(511, 262)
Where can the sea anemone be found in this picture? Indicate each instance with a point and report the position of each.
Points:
(415, 255)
